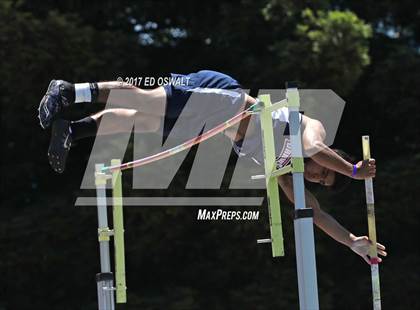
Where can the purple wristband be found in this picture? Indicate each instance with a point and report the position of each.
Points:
(354, 171)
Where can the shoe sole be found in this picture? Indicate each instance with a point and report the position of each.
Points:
(59, 149)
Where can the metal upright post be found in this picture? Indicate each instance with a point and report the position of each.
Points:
(273, 198)
(118, 223)
(373, 252)
(303, 223)
(104, 279)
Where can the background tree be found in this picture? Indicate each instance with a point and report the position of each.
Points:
(368, 52)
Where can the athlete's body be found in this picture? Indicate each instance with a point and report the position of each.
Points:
(150, 107)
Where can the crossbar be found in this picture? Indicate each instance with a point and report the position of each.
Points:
(277, 105)
(188, 144)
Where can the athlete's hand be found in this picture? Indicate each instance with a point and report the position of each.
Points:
(361, 245)
(365, 169)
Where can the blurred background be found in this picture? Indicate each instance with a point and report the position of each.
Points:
(368, 52)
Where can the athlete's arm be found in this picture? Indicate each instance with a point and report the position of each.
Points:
(321, 219)
(313, 137)
(360, 245)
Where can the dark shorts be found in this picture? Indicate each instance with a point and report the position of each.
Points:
(202, 97)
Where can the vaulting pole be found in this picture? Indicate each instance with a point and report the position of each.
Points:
(373, 252)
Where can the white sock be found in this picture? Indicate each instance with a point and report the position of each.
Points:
(82, 91)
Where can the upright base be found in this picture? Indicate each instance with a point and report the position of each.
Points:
(105, 284)
(305, 248)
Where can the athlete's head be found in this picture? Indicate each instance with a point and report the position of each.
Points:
(318, 174)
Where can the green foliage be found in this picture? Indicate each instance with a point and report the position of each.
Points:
(333, 50)
(367, 51)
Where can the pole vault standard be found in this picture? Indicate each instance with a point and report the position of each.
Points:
(373, 251)
(105, 279)
(303, 217)
(304, 236)
(304, 229)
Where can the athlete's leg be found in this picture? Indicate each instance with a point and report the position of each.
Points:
(108, 121)
(126, 96)
(121, 120)
(61, 95)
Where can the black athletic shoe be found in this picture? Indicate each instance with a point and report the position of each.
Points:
(59, 94)
(60, 144)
